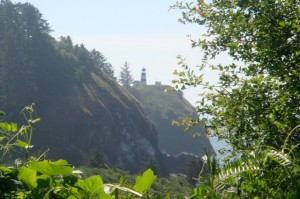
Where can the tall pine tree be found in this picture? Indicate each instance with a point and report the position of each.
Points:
(101, 62)
(126, 78)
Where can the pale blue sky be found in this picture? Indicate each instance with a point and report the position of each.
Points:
(144, 33)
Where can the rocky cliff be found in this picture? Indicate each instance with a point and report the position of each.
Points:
(162, 105)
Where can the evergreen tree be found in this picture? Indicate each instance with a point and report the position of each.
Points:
(21, 28)
(66, 43)
(101, 62)
(126, 78)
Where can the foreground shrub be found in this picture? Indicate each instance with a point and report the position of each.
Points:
(31, 177)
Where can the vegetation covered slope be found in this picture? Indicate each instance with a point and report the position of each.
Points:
(162, 105)
(85, 113)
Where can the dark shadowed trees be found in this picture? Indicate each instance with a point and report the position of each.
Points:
(101, 62)
(21, 27)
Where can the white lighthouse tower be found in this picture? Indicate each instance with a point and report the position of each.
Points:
(143, 77)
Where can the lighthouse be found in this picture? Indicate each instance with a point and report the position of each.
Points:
(143, 77)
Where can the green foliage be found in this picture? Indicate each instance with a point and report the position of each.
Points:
(11, 137)
(176, 186)
(60, 167)
(28, 176)
(21, 28)
(92, 186)
(254, 104)
(33, 178)
(262, 88)
(101, 62)
(144, 182)
(109, 175)
(83, 58)
(192, 169)
(265, 172)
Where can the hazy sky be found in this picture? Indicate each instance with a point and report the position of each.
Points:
(144, 33)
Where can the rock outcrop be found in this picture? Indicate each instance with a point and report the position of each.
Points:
(163, 104)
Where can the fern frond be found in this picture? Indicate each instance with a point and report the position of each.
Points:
(235, 171)
(288, 137)
(281, 158)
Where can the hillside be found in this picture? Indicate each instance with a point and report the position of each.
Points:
(163, 104)
(86, 116)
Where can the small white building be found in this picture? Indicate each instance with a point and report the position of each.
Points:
(136, 83)
(157, 83)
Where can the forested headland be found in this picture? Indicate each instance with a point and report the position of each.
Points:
(68, 129)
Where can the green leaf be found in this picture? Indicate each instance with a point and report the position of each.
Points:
(43, 180)
(121, 180)
(70, 179)
(8, 127)
(5, 170)
(282, 24)
(28, 176)
(14, 127)
(144, 182)
(168, 196)
(60, 167)
(231, 180)
(34, 121)
(2, 113)
(21, 144)
(61, 162)
(92, 185)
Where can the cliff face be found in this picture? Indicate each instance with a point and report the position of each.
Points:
(163, 104)
(85, 113)
(97, 115)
